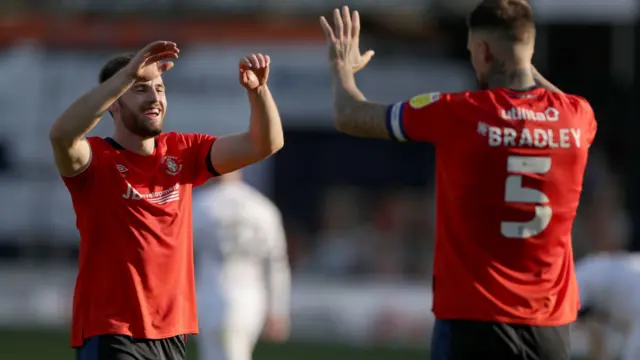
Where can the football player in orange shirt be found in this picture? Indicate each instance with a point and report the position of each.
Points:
(135, 291)
(510, 161)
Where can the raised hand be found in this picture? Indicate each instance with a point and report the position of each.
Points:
(152, 61)
(254, 71)
(344, 42)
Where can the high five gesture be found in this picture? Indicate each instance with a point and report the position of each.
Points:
(344, 41)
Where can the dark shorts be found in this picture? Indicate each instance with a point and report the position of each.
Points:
(471, 340)
(120, 347)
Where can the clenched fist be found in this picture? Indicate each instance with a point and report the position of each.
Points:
(254, 71)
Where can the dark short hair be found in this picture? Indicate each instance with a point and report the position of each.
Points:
(114, 65)
(512, 19)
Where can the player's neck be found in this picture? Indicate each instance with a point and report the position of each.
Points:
(517, 77)
(135, 143)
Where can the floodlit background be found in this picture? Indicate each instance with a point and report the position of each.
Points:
(359, 213)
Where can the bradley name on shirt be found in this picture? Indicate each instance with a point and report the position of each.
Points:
(530, 137)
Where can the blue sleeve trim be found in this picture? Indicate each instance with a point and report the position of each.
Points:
(395, 123)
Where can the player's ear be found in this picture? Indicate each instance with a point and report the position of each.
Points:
(485, 51)
(114, 108)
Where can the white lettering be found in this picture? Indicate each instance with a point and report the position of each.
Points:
(564, 138)
(525, 138)
(509, 138)
(495, 136)
(540, 138)
(551, 136)
(159, 197)
(576, 136)
(532, 138)
(132, 193)
(517, 113)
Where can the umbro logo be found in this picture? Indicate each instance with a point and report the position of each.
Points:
(122, 170)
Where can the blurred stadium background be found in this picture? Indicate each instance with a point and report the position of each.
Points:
(359, 213)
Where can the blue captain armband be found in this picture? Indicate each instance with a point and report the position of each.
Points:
(395, 124)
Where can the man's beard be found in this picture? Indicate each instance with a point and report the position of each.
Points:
(139, 124)
(483, 84)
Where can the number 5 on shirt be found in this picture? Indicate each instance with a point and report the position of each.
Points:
(517, 167)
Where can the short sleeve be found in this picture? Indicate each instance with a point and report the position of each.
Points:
(422, 118)
(589, 116)
(593, 128)
(200, 148)
(82, 181)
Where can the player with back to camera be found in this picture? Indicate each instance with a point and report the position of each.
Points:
(609, 284)
(135, 292)
(510, 160)
(243, 278)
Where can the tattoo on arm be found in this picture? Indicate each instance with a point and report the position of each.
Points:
(356, 116)
(363, 119)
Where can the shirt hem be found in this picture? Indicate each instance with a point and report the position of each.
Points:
(508, 320)
(87, 334)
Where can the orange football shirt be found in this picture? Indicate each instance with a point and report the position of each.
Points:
(133, 212)
(509, 173)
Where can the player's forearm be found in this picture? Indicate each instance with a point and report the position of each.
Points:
(86, 111)
(279, 288)
(542, 81)
(353, 114)
(346, 97)
(265, 129)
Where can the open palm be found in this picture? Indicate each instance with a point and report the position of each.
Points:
(344, 42)
(153, 60)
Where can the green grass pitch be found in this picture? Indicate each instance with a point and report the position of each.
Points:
(53, 345)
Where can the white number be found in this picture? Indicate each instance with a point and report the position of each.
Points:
(515, 193)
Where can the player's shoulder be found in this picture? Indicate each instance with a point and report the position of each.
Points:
(178, 141)
(103, 147)
(265, 202)
(247, 194)
(470, 97)
(254, 195)
(572, 101)
(97, 141)
(572, 98)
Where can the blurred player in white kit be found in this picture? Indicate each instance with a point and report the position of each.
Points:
(609, 286)
(243, 278)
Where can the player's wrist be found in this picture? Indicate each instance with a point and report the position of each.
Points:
(343, 73)
(341, 67)
(259, 90)
(124, 77)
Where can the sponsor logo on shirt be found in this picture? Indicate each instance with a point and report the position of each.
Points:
(516, 113)
(158, 197)
(422, 100)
